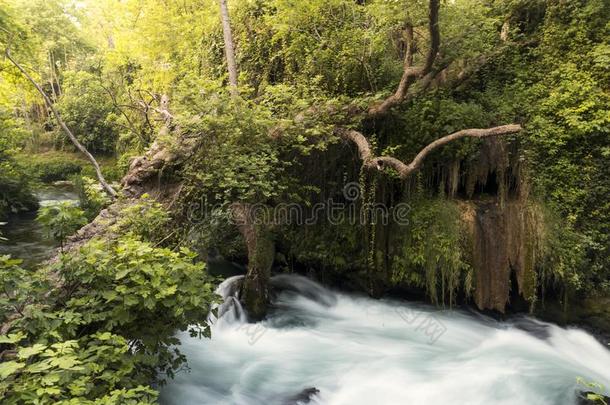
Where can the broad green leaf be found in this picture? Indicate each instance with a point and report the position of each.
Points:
(8, 368)
(28, 352)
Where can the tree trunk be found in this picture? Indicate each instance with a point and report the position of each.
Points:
(229, 47)
(52, 80)
(261, 252)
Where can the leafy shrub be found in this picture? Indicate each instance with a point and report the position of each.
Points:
(61, 220)
(57, 170)
(109, 332)
(57, 165)
(50, 167)
(91, 195)
(145, 219)
(138, 291)
(111, 170)
(15, 189)
(71, 372)
(88, 112)
(15, 183)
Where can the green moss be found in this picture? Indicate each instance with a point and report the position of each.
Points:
(430, 253)
(535, 249)
(53, 166)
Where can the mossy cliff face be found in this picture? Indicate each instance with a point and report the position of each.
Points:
(507, 244)
(473, 233)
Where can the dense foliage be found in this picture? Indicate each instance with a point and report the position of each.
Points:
(304, 67)
(89, 113)
(15, 182)
(109, 332)
(61, 220)
(547, 69)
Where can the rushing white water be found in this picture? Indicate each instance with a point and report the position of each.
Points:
(55, 195)
(230, 311)
(355, 350)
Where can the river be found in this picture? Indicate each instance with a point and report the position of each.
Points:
(26, 239)
(333, 348)
(341, 349)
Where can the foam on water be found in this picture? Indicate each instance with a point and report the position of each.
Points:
(356, 350)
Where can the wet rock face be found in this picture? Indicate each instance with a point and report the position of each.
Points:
(505, 244)
(491, 258)
(591, 398)
(304, 397)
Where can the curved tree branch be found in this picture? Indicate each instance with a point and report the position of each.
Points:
(404, 170)
(411, 74)
(64, 127)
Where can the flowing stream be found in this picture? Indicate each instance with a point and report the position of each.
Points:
(323, 347)
(25, 237)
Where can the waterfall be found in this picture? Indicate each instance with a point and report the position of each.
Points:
(230, 310)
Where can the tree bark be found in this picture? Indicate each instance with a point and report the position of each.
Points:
(410, 73)
(261, 253)
(229, 47)
(404, 170)
(64, 127)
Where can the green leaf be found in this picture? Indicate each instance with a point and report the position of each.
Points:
(66, 363)
(109, 295)
(28, 352)
(12, 337)
(40, 367)
(8, 368)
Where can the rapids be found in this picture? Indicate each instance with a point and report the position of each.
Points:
(332, 348)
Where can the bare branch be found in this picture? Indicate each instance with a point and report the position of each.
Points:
(411, 74)
(130, 124)
(404, 170)
(63, 126)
